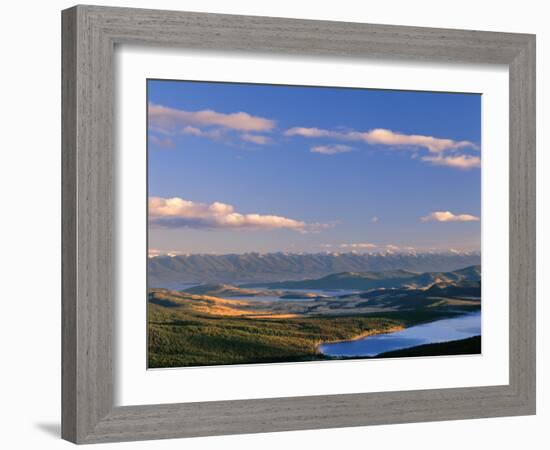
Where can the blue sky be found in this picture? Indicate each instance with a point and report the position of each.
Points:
(236, 168)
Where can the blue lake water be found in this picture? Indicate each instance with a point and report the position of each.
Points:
(461, 327)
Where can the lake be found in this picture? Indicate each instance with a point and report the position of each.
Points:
(443, 330)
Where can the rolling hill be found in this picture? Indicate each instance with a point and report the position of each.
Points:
(383, 279)
(226, 290)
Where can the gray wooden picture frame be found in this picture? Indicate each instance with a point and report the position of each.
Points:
(90, 34)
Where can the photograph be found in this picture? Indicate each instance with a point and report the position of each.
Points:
(300, 223)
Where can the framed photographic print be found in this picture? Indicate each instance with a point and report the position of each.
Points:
(298, 280)
(303, 209)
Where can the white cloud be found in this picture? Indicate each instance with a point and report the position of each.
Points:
(448, 216)
(216, 133)
(375, 219)
(161, 142)
(464, 162)
(331, 149)
(255, 138)
(179, 213)
(193, 131)
(166, 118)
(154, 252)
(392, 247)
(359, 245)
(382, 136)
(310, 132)
(209, 124)
(356, 246)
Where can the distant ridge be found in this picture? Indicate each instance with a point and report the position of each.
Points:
(438, 282)
(176, 271)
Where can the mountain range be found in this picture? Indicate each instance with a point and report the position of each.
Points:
(176, 272)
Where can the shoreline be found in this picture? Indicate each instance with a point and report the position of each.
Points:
(388, 331)
(362, 335)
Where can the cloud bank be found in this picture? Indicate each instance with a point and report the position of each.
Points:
(166, 118)
(435, 146)
(245, 127)
(382, 136)
(448, 216)
(179, 213)
(361, 245)
(366, 246)
(209, 124)
(154, 252)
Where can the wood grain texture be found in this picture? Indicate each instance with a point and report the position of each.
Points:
(88, 210)
(68, 225)
(523, 224)
(89, 37)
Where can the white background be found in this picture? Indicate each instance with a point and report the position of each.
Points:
(135, 386)
(30, 225)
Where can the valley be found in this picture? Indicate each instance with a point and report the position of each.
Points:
(215, 324)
